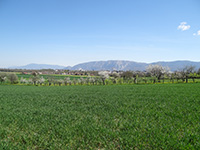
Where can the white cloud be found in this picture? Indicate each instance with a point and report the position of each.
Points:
(198, 32)
(183, 26)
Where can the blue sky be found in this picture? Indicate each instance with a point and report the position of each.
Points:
(68, 32)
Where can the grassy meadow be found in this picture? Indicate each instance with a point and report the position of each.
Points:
(152, 116)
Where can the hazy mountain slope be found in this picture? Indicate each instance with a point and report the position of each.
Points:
(130, 65)
(177, 65)
(110, 65)
(38, 66)
(113, 65)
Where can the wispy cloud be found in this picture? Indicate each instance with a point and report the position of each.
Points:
(183, 26)
(198, 33)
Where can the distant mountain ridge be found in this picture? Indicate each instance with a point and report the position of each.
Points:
(114, 65)
(110, 65)
(38, 66)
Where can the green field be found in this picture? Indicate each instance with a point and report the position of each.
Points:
(154, 116)
(55, 76)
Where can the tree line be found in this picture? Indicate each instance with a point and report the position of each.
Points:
(153, 74)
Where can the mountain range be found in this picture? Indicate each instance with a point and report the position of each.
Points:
(113, 65)
(38, 66)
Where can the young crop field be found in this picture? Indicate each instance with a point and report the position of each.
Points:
(152, 116)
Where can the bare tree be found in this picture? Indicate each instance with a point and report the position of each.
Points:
(135, 76)
(127, 75)
(34, 73)
(198, 72)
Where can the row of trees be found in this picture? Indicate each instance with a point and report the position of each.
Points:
(12, 77)
(158, 72)
(153, 73)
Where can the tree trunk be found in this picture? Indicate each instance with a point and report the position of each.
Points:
(103, 82)
(135, 80)
(159, 79)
